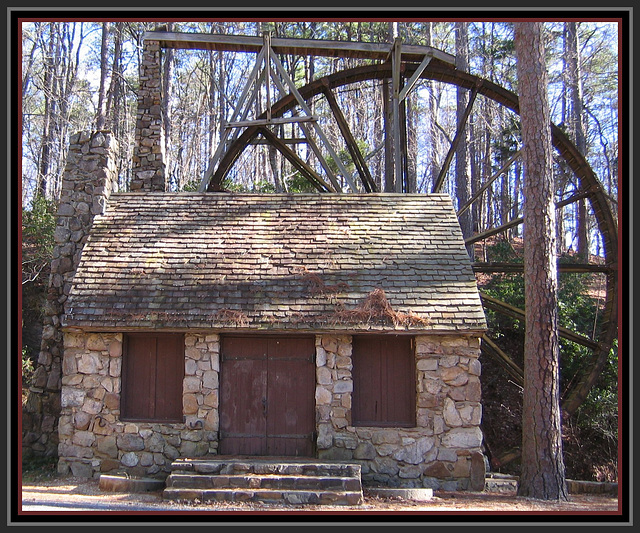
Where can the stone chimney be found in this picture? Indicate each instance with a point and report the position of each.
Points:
(148, 169)
(89, 179)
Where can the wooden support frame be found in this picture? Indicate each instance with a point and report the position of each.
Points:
(396, 63)
(290, 46)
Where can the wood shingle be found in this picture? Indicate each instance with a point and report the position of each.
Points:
(330, 262)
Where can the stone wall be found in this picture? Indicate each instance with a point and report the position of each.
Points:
(93, 439)
(90, 177)
(443, 451)
(148, 168)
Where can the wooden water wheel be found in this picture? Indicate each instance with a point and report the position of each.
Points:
(402, 67)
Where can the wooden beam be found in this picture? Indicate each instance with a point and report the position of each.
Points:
(298, 163)
(294, 140)
(352, 146)
(499, 229)
(253, 77)
(303, 47)
(414, 78)
(268, 122)
(519, 267)
(437, 186)
(396, 61)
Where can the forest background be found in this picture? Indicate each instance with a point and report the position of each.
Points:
(83, 75)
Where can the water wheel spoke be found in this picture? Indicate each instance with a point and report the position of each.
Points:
(488, 183)
(356, 155)
(491, 349)
(437, 186)
(514, 312)
(298, 163)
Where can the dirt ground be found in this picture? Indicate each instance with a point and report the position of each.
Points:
(70, 494)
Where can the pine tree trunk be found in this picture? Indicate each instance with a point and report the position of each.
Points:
(543, 473)
(463, 176)
(101, 115)
(577, 126)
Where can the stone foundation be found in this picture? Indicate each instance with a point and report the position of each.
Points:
(443, 451)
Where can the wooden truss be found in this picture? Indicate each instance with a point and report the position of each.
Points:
(268, 68)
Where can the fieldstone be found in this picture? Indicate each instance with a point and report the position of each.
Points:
(343, 386)
(129, 459)
(365, 450)
(439, 470)
(454, 376)
(191, 384)
(81, 470)
(325, 436)
(96, 342)
(323, 376)
(323, 396)
(415, 452)
(330, 344)
(210, 379)
(321, 356)
(81, 420)
(478, 472)
(130, 442)
(89, 363)
(115, 348)
(107, 445)
(72, 397)
(450, 412)
(190, 404)
(463, 438)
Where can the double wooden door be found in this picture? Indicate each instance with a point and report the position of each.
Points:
(267, 396)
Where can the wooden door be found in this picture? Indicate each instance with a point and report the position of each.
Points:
(267, 396)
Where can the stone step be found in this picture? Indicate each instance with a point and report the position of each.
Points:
(263, 481)
(311, 497)
(233, 466)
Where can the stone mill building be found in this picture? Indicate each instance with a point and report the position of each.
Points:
(338, 327)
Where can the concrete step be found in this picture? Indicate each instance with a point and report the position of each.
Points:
(265, 479)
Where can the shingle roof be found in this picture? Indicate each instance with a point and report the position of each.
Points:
(276, 262)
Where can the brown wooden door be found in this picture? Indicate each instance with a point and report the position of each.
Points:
(267, 396)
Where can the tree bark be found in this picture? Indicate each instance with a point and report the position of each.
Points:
(463, 175)
(543, 472)
(577, 127)
(101, 115)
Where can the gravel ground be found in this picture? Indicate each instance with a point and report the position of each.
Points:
(68, 495)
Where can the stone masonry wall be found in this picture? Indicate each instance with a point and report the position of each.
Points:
(148, 168)
(93, 439)
(90, 177)
(443, 451)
